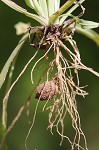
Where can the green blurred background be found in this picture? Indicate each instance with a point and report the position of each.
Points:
(40, 138)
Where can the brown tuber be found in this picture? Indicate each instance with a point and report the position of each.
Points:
(46, 90)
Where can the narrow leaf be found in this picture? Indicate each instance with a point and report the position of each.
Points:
(16, 7)
(37, 7)
(56, 15)
(57, 5)
(91, 34)
(87, 24)
(29, 3)
(51, 7)
(43, 5)
(64, 16)
(5, 69)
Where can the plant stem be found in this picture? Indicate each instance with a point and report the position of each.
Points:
(10, 63)
(5, 103)
(5, 69)
(54, 16)
(91, 34)
(70, 11)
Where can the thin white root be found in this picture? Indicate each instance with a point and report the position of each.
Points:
(38, 62)
(66, 102)
(82, 66)
(31, 126)
(5, 99)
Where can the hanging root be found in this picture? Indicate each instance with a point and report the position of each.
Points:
(31, 126)
(63, 90)
(65, 102)
(63, 85)
(38, 62)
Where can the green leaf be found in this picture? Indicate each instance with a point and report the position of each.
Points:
(57, 5)
(29, 3)
(51, 8)
(91, 34)
(16, 7)
(5, 69)
(68, 13)
(43, 5)
(85, 24)
(37, 8)
(63, 8)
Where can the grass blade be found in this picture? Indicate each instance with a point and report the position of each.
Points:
(91, 34)
(51, 7)
(70, 11)
(57, 5)
(37, 7)
(64, 7)
(29, 3)
(86, 24)
(5, 69)
(43, 5)
(18, 8)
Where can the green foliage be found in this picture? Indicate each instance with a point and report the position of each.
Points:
(5, 69)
